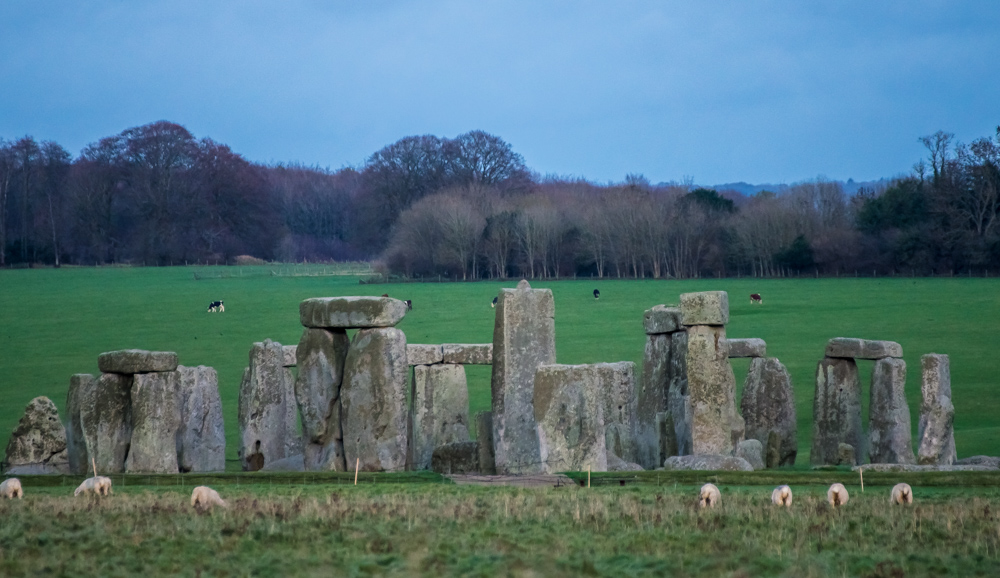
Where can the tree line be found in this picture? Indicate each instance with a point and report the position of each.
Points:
(469, 208)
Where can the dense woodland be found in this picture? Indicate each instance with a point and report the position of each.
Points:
(469, 208)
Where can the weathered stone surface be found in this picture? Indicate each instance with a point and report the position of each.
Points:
(712, 390)
(440, 413)
(653, 399)
(988, 461)
(927, 468)
(768, 404)
(862, 348)
(836, 411)
(294, 463)
(39, 438)
(705, 308)
(484, 435)
(751, 450)
(523, 339)
(749, 347)
(772, 456)
(289, 355)
(661, 319)
(678, 398)
(666, 437)
(267, 409)
(889, 416)
(936, 434)
(136, 361)
(468, 353)
(846, 455)
(81, 387)
(616, 381)
(423, 354)
(106, 419)
(456, 458)
(373, 400)
(708, 462)
(156, 420)
(201, 441)
(320, 357)
(569, 411)
(616, 464)
(351, 312)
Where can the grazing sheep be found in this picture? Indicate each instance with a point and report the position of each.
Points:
(837, 495)
(204, 498)
(11, 488)
(782, 496)
(902, 494)
(709, 496)
(99, 485)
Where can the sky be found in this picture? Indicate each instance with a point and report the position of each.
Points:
(711, 91)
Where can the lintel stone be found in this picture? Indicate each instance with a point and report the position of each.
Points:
(749, 347)
(351, 312)
(131, 361)
(423, 354)
(705, 308)
(468, 353)
(661, 319)
(846, 347)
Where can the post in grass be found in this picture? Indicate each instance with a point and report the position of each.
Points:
(357, 464)
(861, 472)
(588, 476)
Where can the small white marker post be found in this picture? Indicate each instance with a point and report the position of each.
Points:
(861, 472)
(356, 465)
(588, 476)
(93, 462)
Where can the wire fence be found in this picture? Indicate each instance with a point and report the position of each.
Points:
(347, 269)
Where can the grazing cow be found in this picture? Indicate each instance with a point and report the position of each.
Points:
(597, 294)
(494, 304)
(755, 298)
(385, 295)
(409, 305)
(216, 306)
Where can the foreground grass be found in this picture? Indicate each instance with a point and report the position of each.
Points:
(437, 529)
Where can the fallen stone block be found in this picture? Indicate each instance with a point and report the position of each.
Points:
(156, 419)
(751, 450)
(988, 461)
(846, 347)
(440, 411)
(131, 361)
(39, 438)
(422, 354)
(456, 458)
(351, 312)
(926, 468)
(468, 353)
(705, 308)
(749, 347)
(708, 462)
(661, 319)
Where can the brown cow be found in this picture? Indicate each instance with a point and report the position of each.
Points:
(755, 298)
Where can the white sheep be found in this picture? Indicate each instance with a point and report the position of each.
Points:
(782, 496)
(100, 485)
(837, 495)
(902, 495)
(204, 498)
(11, 488)
(709, 496)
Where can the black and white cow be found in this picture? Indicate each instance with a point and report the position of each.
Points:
(597, 294)
(494, 304)
(216, 306)
(409, 305)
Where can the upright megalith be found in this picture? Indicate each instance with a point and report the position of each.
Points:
(889, 416)
(373, 400)
(156, 420)
(678, 395)
(836, 411)
(81, 388)
(106, 420)
(320, 357)
(201, 439)
(936, 437)
(523, 340)
(484, 436)
(616, 382)
(569, 412)
(38, 443)
(440, 414)
(267, 409)
(653, 395)
(768, 405)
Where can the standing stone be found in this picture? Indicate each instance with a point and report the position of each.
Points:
(484, 435)
(523, 339)
(768, 404)
(81, 387)
(201, 442)
(705, 308)
(616, 382)
(678, 398)
(889, 416)
(666, 438)
(440, 414)
(846, 455)
(320, 357)
(373, 400)
(836, 411)
(936, 437)
(751, 450)
(267, 416)
(39, 440)
(772, 457)
(156, 419)
(653, 394)
(712, 390)
(569, 411)
(106, 419)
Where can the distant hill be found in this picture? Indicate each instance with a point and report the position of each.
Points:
(850, 186)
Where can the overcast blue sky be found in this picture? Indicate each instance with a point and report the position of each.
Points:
(756, 91)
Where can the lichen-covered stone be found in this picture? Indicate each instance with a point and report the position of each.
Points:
(751, 450)
(569, 412)
(616, 382)
(928, 468)
(836, 411)
(661, 319)
(351, 312)
(988, 461)
(81, 388)
(712, 391)
(201, 441)
(468, 353)
(768, 405)
(889, 416)
(749, 347)
(289, 355)
(846, 347)
(320, 357)
(936, 434)
(678, 398)
(106, 418)
(456, 458)
(423, 354)
(136, 361)
(440, 414)
(373, 400)
(653, 392)
(846, 455)
(484, 436)
(39, 438)
(294, 463)
(523, 339)
(708, 462)
(772, 455)
(705, 308)
(156, 419)
(267, 409)
(666, 437)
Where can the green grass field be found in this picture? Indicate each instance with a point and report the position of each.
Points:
(55, 322)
